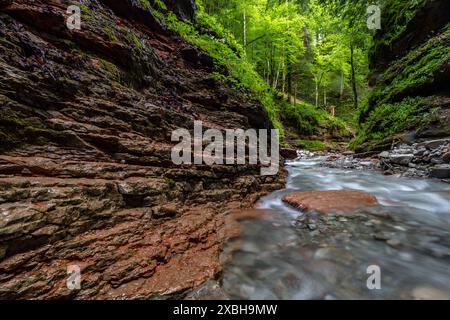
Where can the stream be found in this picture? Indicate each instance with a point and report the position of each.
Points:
(407, 237)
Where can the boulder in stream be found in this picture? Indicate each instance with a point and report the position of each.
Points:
(289, 154)
(330, 200)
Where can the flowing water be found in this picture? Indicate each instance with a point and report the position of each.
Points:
(407, 237)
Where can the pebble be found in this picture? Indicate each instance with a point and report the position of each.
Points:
(429, 293)
(381, 236)
(400, 228)
(395, 243)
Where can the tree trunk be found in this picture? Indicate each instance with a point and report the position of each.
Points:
(295, 95)
(355, 91)
(288, 63)
(245, 31)
(275, 82)
(317, 94)
(289, 80)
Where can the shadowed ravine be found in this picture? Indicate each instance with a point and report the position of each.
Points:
(407, 235)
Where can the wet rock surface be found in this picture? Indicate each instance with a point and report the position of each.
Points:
(85, 172)
(330, 200)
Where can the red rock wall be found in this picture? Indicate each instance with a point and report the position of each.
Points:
(85, 170)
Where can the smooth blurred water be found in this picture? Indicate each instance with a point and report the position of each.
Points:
(277, 260)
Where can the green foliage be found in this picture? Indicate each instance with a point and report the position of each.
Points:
(13, 128)
(145, 3)
(86, 13)
(304, 117)
(413, 71)
(160, 4)
(111, 33)
(273, 49)
(388, 119)
(132, 39)
(308, 120)
(112, 71)
(345, 111)
(394, 103)
(313, 145)
(209, 35)
(302, 49)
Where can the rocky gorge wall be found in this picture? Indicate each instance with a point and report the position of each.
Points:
(410, 65)
(85, 138)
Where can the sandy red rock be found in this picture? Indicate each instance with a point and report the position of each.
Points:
(330, 200)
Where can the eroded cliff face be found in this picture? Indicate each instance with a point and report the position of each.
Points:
(410, 64)
(85, 173)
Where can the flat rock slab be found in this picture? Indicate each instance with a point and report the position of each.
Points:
(330, 200)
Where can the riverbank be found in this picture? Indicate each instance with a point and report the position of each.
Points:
(426, 159)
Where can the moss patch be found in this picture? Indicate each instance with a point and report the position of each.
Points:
(411, 73)
(14, 129)
(313, 145)
(389, 119)
(401, 99)
(112, 71)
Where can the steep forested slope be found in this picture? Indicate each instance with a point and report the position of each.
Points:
(85, 171)
(410, 63)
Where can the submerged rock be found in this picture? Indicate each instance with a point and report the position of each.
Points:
(332, 200)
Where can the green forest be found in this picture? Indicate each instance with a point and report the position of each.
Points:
(306, 60)
(310, 63)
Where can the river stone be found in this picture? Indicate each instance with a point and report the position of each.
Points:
(401, 159)
(384, 154)
(289, 154)
(440, 171)
(331, 200)
(446, 157)
(433, 144)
